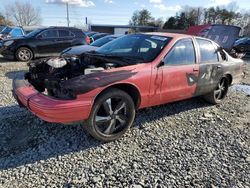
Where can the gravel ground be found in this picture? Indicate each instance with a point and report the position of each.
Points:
(185, 144)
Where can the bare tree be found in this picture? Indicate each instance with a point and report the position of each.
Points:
(23, 14)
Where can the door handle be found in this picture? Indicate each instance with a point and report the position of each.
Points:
(219, 67)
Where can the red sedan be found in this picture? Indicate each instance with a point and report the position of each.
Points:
(106, 86)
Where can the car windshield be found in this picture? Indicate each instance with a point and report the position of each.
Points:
(100, 42)
(138, 46)
(33, 33)
(6, 31)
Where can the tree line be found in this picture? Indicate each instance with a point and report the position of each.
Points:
(25, 14)
(190, 16)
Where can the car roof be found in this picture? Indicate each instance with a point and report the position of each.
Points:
(97, 34)
(14, 27)
(172, 35)
(113, 36)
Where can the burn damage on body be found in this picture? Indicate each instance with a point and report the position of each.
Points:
(66, 77)
(208, 77)
(86, 83)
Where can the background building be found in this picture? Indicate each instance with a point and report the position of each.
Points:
(121, 29)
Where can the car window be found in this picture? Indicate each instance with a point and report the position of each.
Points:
(208, 51)
(49, 34)
(6, 31)
(100, 42)
(139, 46)
(65, 33)
(248, 41)
(182, 53)
(16, 32)
(147, 45)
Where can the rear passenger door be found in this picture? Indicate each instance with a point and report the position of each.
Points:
(211, 69)
(179, 72)
(65, 39)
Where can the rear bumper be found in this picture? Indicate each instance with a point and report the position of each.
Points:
(50, 109)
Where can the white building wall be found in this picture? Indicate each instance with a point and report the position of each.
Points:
(120, 31)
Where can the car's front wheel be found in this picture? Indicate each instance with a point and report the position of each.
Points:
(112, 115)
(219, 93)
(236, 54)
(24, 54)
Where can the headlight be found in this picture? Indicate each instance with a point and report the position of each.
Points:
(8, 43)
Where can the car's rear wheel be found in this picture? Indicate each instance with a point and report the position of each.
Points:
(112, 115)
(220, 92)
(24, 54)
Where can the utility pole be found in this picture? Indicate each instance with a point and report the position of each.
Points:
(198, 16)
(67, 7)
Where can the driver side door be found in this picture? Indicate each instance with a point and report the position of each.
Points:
(47, 42)
(179, 72)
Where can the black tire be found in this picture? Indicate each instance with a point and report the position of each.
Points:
(24, 54)
(219, 93)
(115, 111)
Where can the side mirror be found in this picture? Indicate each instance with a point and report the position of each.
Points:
(160, 64)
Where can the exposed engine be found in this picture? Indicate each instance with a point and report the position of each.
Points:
(47, 74)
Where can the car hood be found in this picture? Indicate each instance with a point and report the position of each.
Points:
(5, 38)
(78, 50)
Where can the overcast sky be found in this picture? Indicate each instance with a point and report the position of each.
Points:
(112, 11)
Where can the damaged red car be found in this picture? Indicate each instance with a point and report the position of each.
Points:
(105, 87)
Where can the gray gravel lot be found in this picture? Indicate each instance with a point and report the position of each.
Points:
(185, 144)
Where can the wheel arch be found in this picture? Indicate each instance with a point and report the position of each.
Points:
(230, 78)
(129, 88)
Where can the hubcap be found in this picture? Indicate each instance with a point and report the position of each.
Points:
(24, 55)
(111, 117)
(221, 89)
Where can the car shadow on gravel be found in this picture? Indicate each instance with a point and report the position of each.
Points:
(167, 110)
(25, 139)
(5, 60)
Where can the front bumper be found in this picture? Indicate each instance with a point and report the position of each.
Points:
(6, 52)
(50, 109)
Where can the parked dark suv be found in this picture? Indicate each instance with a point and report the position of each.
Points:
(42, 42)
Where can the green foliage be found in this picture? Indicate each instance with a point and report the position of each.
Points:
(142, 17)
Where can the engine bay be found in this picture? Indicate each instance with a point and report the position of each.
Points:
(46, 74)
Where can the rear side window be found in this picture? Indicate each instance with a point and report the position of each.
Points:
(65, 33)
(49, 34)
(181, 54)
(16, 32)
(207, 51)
